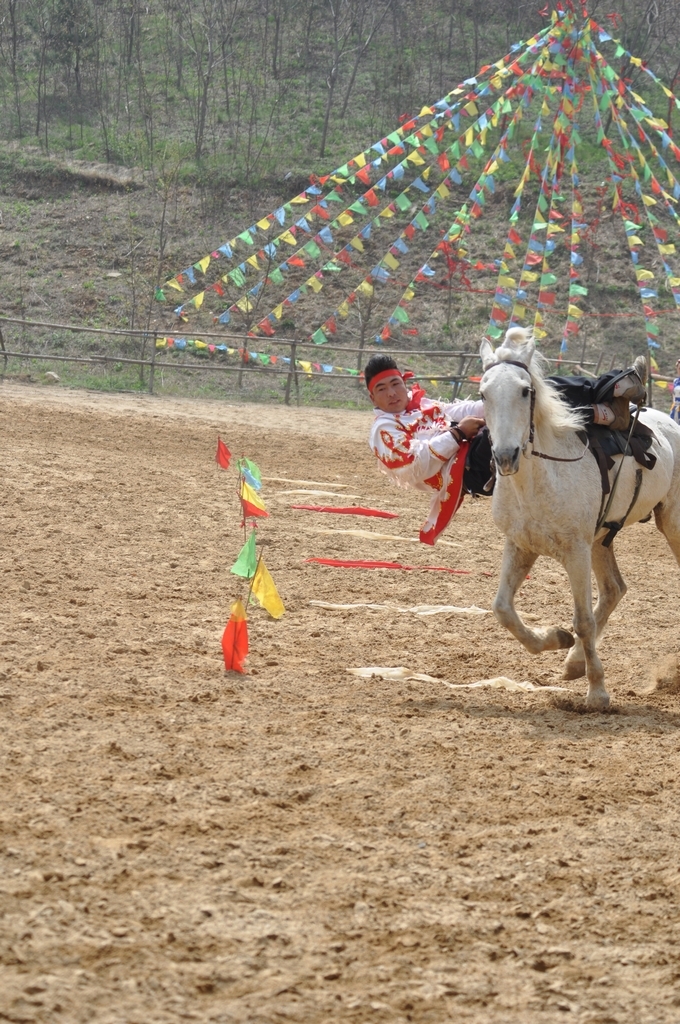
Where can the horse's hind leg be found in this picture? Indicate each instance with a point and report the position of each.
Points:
(610, 589)
(516, 564)
(667, 517)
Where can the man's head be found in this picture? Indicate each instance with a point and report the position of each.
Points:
(385, 384)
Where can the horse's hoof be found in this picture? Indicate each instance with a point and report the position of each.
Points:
(565, 639)
(574, 669)
(598, 701)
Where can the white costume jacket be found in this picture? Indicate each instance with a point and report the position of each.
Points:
(416, 449)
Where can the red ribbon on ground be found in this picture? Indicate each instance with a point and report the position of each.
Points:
(352, 510)
(340, 563)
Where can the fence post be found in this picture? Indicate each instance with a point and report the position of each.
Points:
(244, 360)
(290, 373)
(152, 368)
(4, 350)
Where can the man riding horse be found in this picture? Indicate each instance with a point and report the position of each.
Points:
(424, 444)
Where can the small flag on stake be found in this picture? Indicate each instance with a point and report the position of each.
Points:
(246, 563)
(223, 455)
(235, 639)
(251, 502)
(264, 589)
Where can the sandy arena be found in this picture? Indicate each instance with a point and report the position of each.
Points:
(298, 844)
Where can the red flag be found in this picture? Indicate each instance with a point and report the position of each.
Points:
(235, 639)
(352, 510)
(346, 564)
(223, 456)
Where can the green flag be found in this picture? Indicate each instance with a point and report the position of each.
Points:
(246, 563)
(253, 469)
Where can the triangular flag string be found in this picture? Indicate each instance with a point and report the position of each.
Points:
(461, 223)
(631, 228)
(329, 236)
(360, 207)
(364, 161)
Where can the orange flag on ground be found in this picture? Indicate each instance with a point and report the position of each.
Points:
(235, 639)
(252, 503)
(223, 456)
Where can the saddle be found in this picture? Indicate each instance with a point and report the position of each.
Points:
(605, 444)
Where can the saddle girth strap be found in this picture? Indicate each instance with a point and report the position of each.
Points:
(614, 528)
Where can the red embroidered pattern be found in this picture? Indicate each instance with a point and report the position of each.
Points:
(400, 446)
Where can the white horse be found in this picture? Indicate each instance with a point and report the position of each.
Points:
(551, 507)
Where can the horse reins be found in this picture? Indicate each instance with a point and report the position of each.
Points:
(532, 391)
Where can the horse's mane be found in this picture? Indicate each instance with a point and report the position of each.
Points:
(551, 412)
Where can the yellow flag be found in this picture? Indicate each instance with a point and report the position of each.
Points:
(306, 366)
(667, 248)
(345, 218)
(314, 283)
(574, 311)
(172, 283)
(415, 158)
(264, 589)
(253, 262)
(288, 237)
(648, 201)
(357, 244)
(389, 261)
(300, 199)
(263, 224)
(252, 498)
(360, 160)
(365, 289)
(200, 344)
(644, 275)
(198, 300)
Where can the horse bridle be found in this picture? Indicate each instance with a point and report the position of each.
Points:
(532, 392)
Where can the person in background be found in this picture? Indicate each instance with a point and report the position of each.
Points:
(675, 407)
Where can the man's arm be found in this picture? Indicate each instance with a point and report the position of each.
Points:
(456, 411)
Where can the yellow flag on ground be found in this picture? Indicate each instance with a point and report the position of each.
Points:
(265, 591)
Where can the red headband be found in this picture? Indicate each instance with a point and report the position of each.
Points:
(394, 372)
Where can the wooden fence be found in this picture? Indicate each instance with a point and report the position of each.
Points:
(466, 362)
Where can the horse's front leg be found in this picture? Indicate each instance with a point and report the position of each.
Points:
(610, 589)
(578, 566)
(516, 564)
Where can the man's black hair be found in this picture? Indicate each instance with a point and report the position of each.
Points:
(377, 364)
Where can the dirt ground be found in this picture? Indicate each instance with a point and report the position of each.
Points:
(177, 843)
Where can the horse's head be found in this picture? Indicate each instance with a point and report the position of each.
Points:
(506, 389)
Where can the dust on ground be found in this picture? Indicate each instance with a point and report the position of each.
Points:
(298, 844)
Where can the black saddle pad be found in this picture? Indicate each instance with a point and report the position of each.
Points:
(615, 442)
(605, 443)
(479, 476)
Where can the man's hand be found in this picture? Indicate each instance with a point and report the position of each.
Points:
(470, 426)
